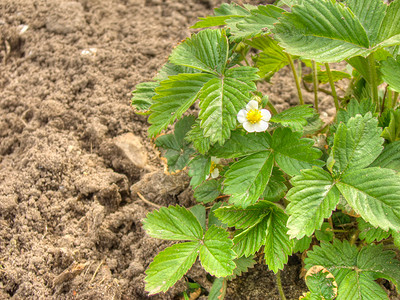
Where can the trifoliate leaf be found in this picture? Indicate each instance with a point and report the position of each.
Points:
(206, 51)
(389, 157)
(392, 132)
(321, 283)
(143, 94)
(370, 233)
(294, 117)
(312, 199)
(242, 144)
(196, 136)
(208, 191)
(174, 97)
(324, 234)
(199, 168)
(302, 244)
(357, 144)
(216, 254)
(242, 265)
(354, 270)
(271, 59)
(246, 179)
(374, 193)
(261, 20)
(169, 266)
(390, 70)
(173, 223)
(276, 186)
(176, 150)
(324, 78)
(293, 153)
(222, 98)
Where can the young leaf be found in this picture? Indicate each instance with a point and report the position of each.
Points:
(216, 254)
(294, 117)
(242, 265)
(321, 283)
(143, 94)
(206, 51)
(208, 191)
(173, 223)
(374, 193)
(302, 244)
(389, 157)
(324, 234)
(246, 179)
(199, 168)
(390, 70)
(276, 186)
(174, 97)
(222, 98)
(392, 132)
(292, 153)
(357, 144)
(312, 199)
(355, 271)
(370, 233)
(169, 266)
(177, 149)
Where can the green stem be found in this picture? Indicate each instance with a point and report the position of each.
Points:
(332, 84)
(354, 237)
(389, 101)
(315, 83)
(280, 288)
(383, 100)
(373, 78)
(272, 108)
(296, 79)
(395, 95)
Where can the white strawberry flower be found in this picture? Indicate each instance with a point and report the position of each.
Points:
(254, 119)
(214, 171)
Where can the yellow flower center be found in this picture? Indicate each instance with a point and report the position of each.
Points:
(212, 167)
(254, 116)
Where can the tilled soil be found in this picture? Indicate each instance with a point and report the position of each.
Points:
(74, 155)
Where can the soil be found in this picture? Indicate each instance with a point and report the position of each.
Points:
(74, 156)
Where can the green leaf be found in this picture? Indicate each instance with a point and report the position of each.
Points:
(292, 153)
(370, 233)
(206, 51)
(169, 69)
(312, 199)
(392, 132)
(361, 64)
(143, 94)
(302, 244)
(212, 218)
(390, 70)
(208, 191)
(260, 21)
(324, 234)
(240, 145)
(321, 283)
(323, 76)
(374, 193)
(355, 271)
(177, 150)
(276, 186)
(173, 223)
(199, 211)
(389, 157)
(216, 254)
(357, 144)
(218, 289)
(246, 179)
(196, 136)
(199, 168)
(174, 97)
(294, 117)
(277, 247)
(331, 35)
(242, 265)
(353, 109)
(389, 32)
(221, 100)
(271, 59)
(169, 266)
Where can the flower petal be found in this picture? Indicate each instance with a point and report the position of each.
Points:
(249, 126)
(241, 116)
(261, 126)
(215, 173)
(266, 115)
(253, 104)
(215, 159)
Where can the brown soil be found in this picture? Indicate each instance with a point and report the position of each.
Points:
(73, 154)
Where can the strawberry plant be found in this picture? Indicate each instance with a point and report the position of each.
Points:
(266, 186)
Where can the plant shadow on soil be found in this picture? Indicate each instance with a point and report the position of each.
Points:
(73, 154)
